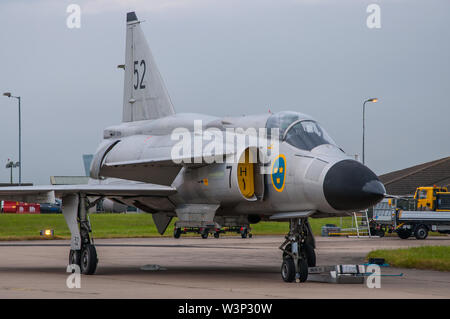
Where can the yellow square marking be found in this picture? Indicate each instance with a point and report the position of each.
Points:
(205, 181)
(281, 169)
(278, 181)
(275, 170)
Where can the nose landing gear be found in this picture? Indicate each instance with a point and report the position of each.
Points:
(298, 251)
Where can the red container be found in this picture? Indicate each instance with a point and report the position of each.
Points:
(26, 208)
(9, 207)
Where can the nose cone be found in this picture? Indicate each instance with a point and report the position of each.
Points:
(349, 185)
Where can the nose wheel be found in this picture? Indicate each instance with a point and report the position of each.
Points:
(298, 254)
(288, 271)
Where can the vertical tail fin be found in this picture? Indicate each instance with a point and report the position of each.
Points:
(145, 95)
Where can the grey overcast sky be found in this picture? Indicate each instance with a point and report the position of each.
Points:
(229, 57)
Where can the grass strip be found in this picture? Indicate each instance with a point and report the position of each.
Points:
(27, 227)
(424, 257)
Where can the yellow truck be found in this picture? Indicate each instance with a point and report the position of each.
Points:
(429, 210)
(432, 198)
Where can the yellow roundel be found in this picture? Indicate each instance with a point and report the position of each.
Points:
(279, 173)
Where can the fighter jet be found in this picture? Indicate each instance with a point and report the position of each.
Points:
(292, 171)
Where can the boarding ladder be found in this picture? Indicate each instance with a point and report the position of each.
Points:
(361, 220)
(360, 225)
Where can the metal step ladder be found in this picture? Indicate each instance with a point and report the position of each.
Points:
(361, 220)
(360, 225)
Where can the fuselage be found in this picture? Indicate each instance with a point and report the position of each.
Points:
(309, 172)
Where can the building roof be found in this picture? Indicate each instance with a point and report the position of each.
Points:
(405, 181)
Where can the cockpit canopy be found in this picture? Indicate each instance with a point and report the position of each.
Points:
(299, 130)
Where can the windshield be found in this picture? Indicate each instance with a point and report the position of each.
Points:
(307, 135)
(281, 121)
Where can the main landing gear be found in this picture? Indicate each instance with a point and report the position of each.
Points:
(298, 251)
(82, 252)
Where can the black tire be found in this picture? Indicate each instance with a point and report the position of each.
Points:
(379, 233)
(216, 234)
(421, 232)
(303, 269)
(404, 233)
(250, 235)
(288, 270)
(204, 235)
(244, 234)
(177, 233)
(89, 260)
(75, 257)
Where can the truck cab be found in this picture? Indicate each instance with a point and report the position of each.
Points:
(426, 197)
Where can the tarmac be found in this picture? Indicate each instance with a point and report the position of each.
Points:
(229, 267)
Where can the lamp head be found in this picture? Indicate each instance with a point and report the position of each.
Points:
(8, 94)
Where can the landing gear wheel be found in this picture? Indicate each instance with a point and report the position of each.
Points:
(404, 233)
(75, 257)
(310, 256)
(244, 233)
(205, 234)
(298, 251)
(216, 234)
(288, 270)
(177, 233)
(88, 260)
(421, 232)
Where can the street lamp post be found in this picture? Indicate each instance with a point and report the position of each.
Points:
(373, 100)
(10, 164)
(8, 94)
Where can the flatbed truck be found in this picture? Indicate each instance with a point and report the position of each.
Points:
(428, 210)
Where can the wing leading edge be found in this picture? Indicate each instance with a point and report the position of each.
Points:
(46, 193)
